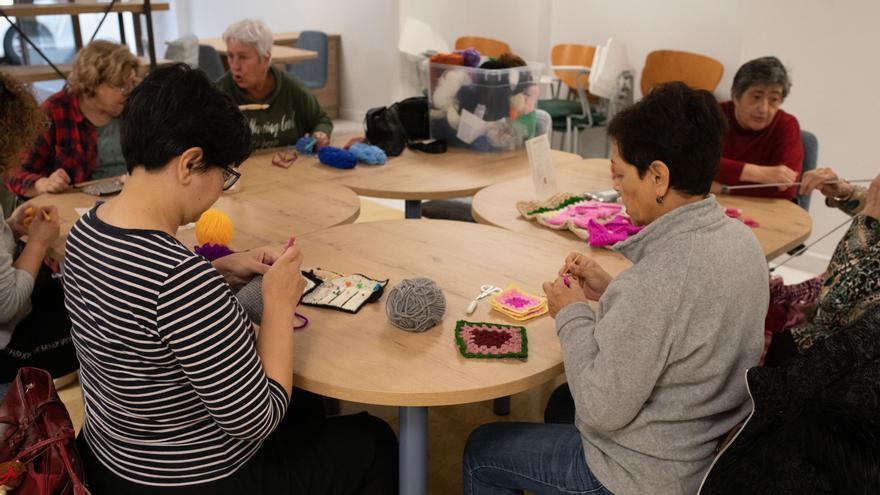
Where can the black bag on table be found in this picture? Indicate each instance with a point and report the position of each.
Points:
(403, 124)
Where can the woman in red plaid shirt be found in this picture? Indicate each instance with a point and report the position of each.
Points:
(82, 141)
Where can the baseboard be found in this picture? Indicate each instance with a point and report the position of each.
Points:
(808, 262)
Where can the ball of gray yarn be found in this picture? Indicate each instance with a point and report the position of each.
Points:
(415, 304)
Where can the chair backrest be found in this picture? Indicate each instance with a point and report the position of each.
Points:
(312, 72)
(811, 158)
(570, 54)
(695, 70)
(210, 62)
(486, 46)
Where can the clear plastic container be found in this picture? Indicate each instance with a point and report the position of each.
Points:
(483, 109)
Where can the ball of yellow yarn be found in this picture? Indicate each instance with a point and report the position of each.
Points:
(214, 227)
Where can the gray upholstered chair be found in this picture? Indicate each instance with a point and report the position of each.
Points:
(210, 62)
(811, 158)
(313, 73)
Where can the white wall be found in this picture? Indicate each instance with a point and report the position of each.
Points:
(368, 62)
(830, 48)
(709, 27)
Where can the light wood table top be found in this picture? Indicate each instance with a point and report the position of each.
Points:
(265, 208)
(416, 176)
(81, 7)
(280, 54)
(782, 225)
(364, 358)
(34, 73)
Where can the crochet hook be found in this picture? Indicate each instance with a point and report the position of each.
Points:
(726, 189)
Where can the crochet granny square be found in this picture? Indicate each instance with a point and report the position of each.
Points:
(518, 304)
(491, 340)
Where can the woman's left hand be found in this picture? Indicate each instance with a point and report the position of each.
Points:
(559, 295)
(321, 138)
(872, 199)
(16, 221)
(239, 268)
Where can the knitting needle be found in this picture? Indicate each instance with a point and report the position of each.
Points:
(805, 248)
(726, 189)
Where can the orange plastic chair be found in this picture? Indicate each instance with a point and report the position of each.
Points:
(573, 55)
(695, 70)
(486, 46)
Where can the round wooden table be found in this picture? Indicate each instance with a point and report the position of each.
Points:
(782, 225)
(265, 206)
(415, 176)
(364, 358)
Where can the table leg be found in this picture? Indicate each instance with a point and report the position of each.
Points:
(501, 406)
(413, 453)
(413, 208)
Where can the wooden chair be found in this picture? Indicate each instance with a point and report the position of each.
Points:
(571, 63)
(486, 46)
(695, 70)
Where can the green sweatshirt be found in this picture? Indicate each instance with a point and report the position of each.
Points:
(293, 111)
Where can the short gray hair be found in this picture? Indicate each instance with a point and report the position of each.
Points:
(253, 32)
(765, 70)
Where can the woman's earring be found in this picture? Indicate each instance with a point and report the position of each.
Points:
(659, 200)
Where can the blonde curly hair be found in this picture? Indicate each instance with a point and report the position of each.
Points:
(21, 120)
(101, 62)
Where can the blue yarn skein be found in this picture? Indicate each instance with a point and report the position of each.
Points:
(306, 145)
(337, 157)
(367, 153)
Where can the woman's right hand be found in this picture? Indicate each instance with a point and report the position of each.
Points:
(592, 278)
(771, 174)
(283, 283)
(57, 182)
(44, 231)
(819, 178)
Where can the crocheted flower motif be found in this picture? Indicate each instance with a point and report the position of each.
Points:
(491, 341)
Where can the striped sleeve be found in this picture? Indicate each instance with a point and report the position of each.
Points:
(208, 333)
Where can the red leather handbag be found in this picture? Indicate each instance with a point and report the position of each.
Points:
(38, 450)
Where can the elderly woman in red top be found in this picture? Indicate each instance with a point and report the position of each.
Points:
(763, 142)
(82, 141)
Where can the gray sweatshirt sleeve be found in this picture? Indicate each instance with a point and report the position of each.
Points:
(613, 363)
(15, 285)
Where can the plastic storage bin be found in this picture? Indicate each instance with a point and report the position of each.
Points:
(483, 109)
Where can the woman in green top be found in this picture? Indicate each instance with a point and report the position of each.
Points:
(286, 110)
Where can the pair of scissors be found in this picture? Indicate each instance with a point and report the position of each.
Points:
(485, 291)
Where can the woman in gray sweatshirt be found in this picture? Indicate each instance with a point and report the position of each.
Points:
(657, 371)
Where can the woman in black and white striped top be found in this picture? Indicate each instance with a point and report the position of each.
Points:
(180, 397)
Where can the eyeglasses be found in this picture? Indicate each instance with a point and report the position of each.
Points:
(230, 177)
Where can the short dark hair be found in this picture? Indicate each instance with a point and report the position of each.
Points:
(680, 126)
(764, 70)
(175, 108)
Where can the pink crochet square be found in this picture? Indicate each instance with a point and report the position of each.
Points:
(581, 213)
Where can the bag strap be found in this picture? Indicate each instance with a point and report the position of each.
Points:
(65, 434)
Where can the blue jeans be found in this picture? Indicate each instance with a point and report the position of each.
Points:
(506, 458)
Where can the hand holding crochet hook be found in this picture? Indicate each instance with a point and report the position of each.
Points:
(583, 270)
